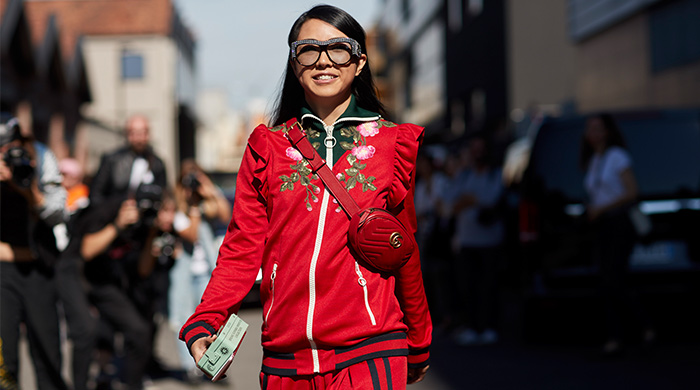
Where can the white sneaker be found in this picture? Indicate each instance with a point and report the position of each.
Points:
(489, 336)
(467, 337)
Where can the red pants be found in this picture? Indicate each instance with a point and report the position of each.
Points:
(388, 373)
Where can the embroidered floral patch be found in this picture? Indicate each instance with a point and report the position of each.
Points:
(302, 176)
(360, 151)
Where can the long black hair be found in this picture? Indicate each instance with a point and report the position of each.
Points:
(613, 137)
(291, 97)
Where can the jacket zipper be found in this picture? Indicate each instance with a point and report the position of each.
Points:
(272, 292)
(363, 282)
(316, 253)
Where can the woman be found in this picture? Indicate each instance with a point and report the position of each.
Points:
(200, 205)
(329, 322)
(612, 188)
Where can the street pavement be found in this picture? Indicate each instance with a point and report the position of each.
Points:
(563, 362)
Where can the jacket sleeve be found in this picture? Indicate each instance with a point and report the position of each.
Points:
(409, 279)
(240, 254)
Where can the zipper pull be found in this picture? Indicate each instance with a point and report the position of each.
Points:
(274, 272)
(361, 280)
(329, 141)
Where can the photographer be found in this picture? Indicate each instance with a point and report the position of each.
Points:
(113, 241)
(32, 202)
(201, 205)
(124, 170)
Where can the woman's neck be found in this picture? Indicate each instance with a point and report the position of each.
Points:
(329, 110)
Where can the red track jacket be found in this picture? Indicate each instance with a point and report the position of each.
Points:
(322, 309)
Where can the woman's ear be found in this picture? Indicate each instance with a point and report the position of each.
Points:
(361, 64)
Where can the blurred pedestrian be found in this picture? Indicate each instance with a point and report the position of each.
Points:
(330, 321)
(612, 189)
(72, 292)
(122, 172)
(200, 205)
(77, 191)
(113, 241)
(32, 202)
(479, 234)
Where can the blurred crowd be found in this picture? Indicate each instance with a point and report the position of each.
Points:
(115, 256)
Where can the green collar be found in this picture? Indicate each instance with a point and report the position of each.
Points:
(353, 113)
(316, 132)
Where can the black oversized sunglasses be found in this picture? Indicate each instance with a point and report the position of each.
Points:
(339, 50)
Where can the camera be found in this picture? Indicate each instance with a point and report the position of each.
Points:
(148, 200)
(166, 242)
(190, 181)
(16, 158)
(20, 163)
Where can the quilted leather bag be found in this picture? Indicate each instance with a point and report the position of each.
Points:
(375, 236)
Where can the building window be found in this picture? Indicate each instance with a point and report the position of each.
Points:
(674, 34)
(132, 65)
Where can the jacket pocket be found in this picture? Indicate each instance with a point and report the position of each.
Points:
(363, 283)
(273, 276)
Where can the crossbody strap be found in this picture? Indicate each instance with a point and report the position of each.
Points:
(319, 166)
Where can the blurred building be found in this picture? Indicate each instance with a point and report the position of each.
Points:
(636, 53)
(139, 59)
(43, 79)
(222, 133)
(445, 64)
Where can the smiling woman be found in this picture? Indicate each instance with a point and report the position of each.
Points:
(331, 320)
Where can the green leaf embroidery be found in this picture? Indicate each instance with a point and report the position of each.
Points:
(351, 159)
(347, 145)
(352, 171)
(351, 183)
(361, 178)
(311, 133)
(294, 177)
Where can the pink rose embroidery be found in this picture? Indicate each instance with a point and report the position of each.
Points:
(368, 129)
(363, 152)
(294, 154)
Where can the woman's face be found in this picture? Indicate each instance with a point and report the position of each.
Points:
(325, 82)
(596, 135)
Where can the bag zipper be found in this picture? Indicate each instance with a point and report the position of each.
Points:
(363, 282)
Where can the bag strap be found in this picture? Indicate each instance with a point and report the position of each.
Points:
(319, 166)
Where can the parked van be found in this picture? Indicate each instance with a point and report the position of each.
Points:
(665, 150)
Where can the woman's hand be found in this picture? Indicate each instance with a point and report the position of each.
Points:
(416, 375)
(200, 346)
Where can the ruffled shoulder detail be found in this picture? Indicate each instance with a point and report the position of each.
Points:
(258, 141)
(408, 140)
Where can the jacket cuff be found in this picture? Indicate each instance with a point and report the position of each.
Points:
(196, 331)
(418, 358)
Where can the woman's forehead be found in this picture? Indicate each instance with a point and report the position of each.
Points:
(319, 30)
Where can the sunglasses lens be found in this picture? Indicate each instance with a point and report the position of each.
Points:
(339, 53)
(307, 55)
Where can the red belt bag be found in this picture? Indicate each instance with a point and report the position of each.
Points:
(375, 236)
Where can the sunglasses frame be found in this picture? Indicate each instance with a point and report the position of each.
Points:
(355, 49)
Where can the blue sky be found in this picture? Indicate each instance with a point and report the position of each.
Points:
(241, 45)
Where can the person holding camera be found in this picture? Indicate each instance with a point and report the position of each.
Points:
(201, 206)
(113, 240)
(32, 203)
(122, 172)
